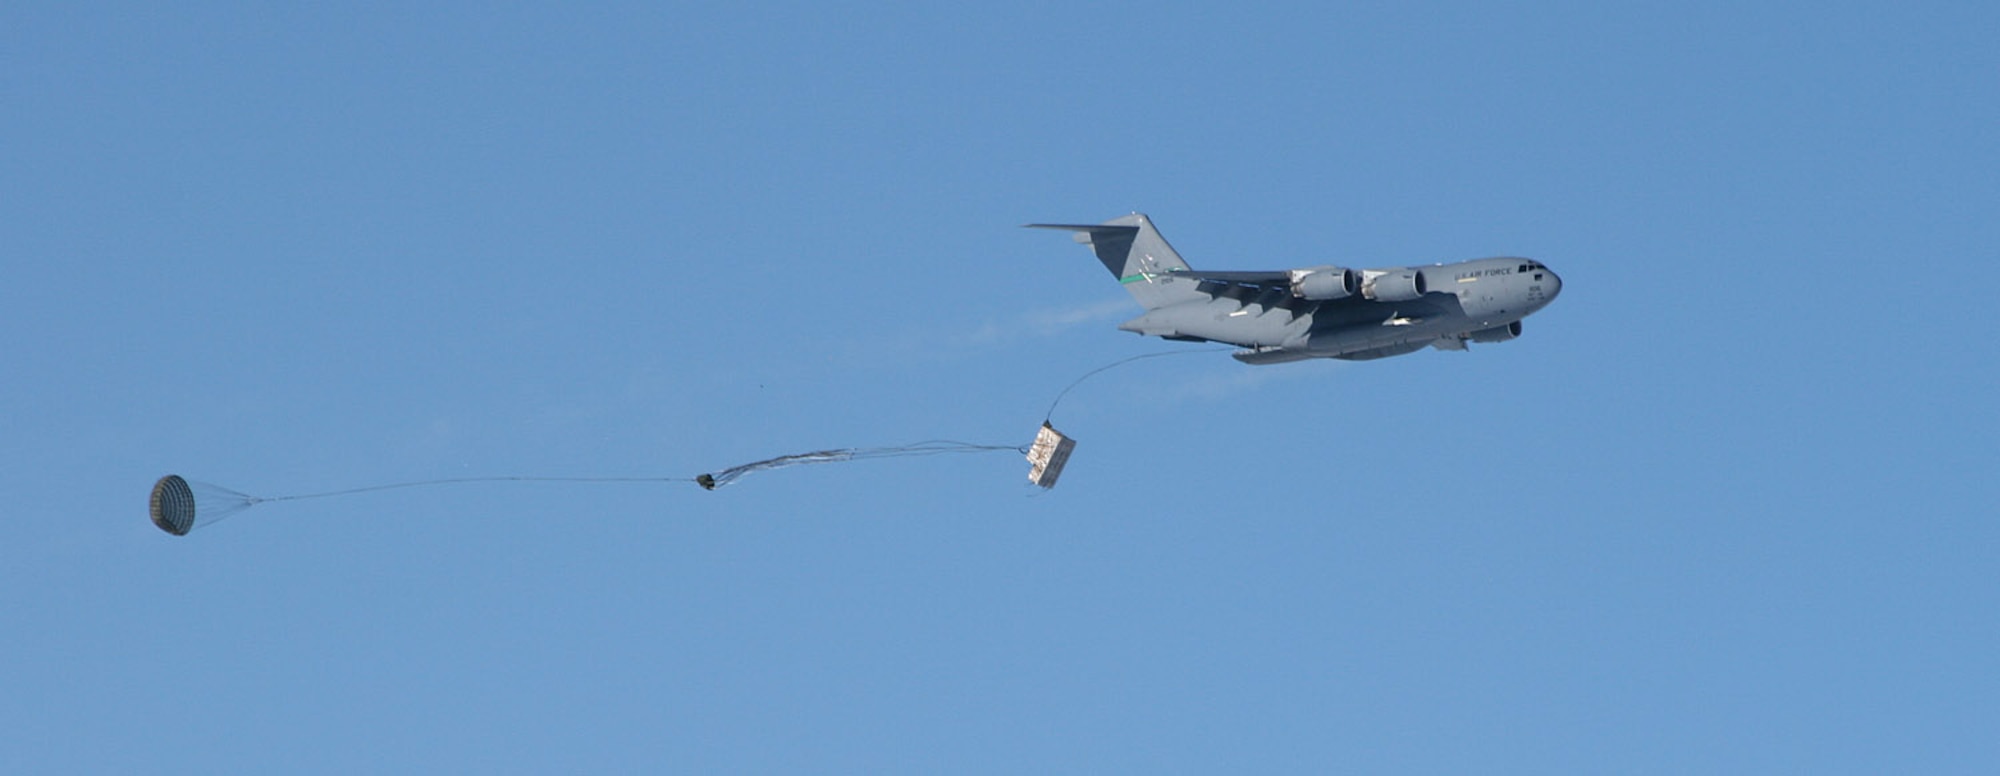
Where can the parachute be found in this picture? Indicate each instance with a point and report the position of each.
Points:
(173, 505)
(174, 502)
(179, 505)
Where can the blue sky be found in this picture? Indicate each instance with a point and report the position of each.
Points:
(1727, 506)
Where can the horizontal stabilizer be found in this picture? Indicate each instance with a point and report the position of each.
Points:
(1106, 228)
(1116, 238)
(1111, 242)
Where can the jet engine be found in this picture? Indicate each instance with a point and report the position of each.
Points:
(1497, 333)
(1396, 285)
(1319, 284)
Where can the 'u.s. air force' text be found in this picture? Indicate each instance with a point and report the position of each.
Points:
(1467, 277)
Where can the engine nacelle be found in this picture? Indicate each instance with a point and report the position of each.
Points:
(1497, 333)
(1323, 283)
(1396, 285)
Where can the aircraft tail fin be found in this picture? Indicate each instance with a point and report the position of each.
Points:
(1138, 256)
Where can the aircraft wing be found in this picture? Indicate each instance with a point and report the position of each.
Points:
(1273, 278)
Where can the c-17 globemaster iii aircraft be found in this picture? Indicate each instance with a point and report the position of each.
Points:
(1317, 312)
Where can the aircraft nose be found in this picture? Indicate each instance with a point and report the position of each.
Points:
(1553, 285)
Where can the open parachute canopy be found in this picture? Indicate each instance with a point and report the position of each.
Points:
(174, 500)
(173, 505)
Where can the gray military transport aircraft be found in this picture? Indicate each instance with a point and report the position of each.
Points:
(1316, 312)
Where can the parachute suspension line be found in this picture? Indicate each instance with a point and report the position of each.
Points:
(714, 480)
(177, 501)
(1051, 414)
(458, 480)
